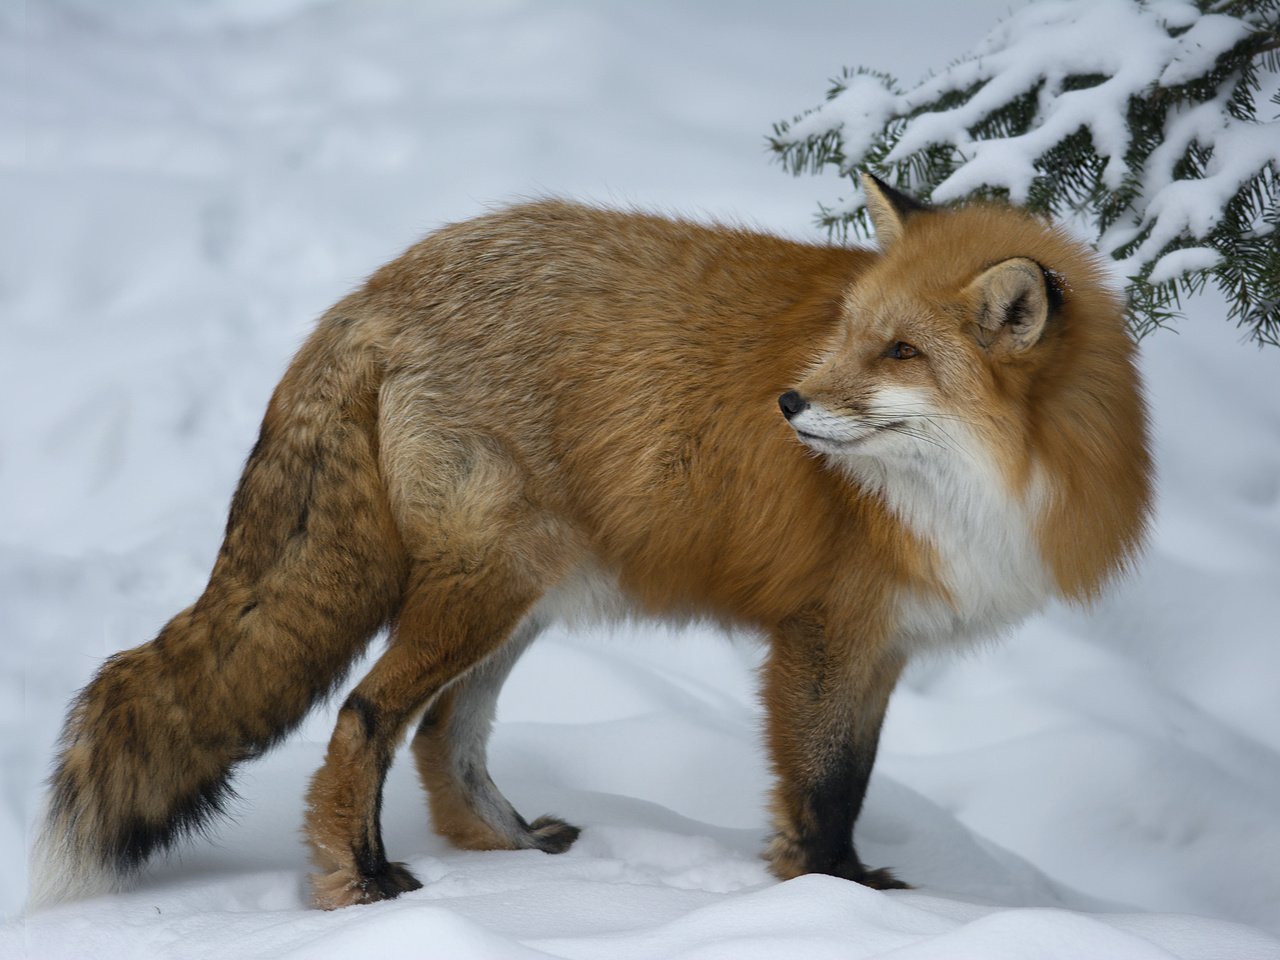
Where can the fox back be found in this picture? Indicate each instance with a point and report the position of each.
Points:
(633, 367)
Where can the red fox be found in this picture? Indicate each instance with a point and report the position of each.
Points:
(859, 454)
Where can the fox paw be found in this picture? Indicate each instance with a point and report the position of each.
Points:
(552, 835)
(788, 859)
(880, 879)
(343, 888)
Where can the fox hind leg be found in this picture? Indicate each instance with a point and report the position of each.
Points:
(481, 554)
(448, 624)
(449, 750)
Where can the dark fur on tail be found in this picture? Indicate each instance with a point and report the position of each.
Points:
(310, 568)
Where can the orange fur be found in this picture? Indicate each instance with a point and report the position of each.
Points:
(569, 395)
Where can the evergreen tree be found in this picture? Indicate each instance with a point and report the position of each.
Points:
(1151, 124)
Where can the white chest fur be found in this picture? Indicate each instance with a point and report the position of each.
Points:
(983, 534)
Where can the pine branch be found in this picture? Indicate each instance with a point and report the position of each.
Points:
(1175, 168)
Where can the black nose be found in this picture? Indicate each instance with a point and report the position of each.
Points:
(792, 403)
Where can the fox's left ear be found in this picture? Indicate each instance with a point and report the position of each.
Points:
(889, 209)
(1013, 304)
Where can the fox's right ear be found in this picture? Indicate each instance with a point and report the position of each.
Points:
(889, 209)
(1014, 300)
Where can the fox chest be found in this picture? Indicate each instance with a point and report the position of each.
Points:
(986, 571)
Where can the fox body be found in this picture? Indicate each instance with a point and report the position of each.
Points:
(557, 410)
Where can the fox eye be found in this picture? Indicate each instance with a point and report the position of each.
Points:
(903, 351)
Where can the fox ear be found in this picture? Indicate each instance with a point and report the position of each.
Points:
(889, 209)
(1013, 301)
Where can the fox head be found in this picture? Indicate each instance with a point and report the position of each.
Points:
(987, 348)
(944, 330)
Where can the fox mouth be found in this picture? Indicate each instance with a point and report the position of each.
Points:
(819, 441)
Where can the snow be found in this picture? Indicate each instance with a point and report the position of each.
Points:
(1045, 41)
(1178, 262)
(860, 116)
(190, 184)
(1199, 47)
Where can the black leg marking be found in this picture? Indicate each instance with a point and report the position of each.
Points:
(367, 713)
(379, 878)
(833, 807)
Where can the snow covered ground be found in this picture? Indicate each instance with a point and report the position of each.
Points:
(186, 185)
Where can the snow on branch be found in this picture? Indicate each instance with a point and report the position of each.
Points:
(1153, 125)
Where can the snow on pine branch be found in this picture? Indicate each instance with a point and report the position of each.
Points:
(1152, 124)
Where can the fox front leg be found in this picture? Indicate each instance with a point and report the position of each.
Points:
(826, 697)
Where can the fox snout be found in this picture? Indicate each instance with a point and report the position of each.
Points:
(792, 403)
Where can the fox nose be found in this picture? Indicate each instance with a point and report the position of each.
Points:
(792, 403)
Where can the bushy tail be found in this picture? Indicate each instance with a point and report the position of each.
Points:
(311, 567)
